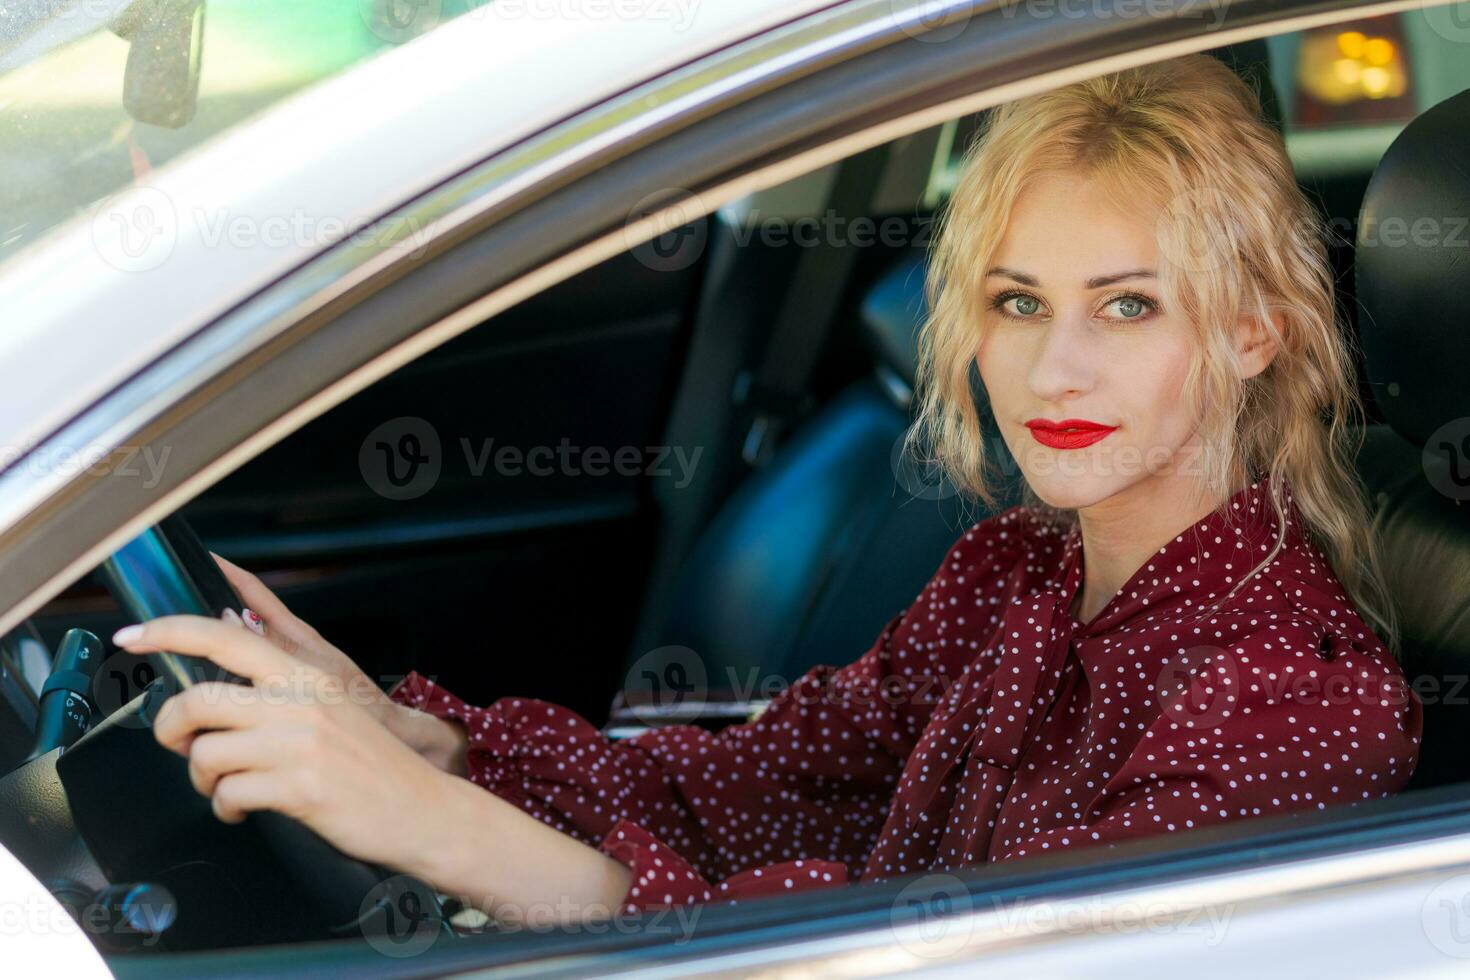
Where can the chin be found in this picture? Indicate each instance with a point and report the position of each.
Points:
(1072, 492)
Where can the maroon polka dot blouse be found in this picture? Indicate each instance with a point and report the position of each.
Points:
(986, 723)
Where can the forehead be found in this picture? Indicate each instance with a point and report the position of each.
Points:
(1074, 226)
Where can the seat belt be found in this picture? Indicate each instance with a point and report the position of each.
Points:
(777, 392)
(766, 401)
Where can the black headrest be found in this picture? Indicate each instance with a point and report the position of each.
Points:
(1412, 272)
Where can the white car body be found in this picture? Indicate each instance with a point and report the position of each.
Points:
(38, 936)
(111, 292)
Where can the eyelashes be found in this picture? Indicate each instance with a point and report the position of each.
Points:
(1151, 306)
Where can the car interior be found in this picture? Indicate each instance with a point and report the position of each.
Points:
(767, 518)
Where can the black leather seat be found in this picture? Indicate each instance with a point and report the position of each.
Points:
(1414, 323)
(813, 554)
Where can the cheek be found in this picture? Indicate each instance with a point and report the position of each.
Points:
(998, 363)
(1152, 381)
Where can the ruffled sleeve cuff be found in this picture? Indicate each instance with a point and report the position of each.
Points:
(662, 878)
(417, 691)
(489, 735)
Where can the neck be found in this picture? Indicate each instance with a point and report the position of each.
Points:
(1120, 533)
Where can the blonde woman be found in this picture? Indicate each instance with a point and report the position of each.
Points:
(1183, 626)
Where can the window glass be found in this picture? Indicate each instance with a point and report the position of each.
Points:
(95, 93)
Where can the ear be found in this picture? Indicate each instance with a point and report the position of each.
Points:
(1255, 343)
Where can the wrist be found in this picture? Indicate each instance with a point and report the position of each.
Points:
(490, 854)
(439, 740)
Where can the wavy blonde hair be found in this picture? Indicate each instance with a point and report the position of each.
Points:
(1238, 238)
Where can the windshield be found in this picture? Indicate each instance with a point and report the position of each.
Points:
(96, 93)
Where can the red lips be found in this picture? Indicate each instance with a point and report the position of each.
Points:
(1068, 433)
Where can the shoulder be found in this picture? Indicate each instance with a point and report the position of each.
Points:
(1015, 544)
(1008, 536)
(1290, 634)
(1298, 597)
(1300, 646)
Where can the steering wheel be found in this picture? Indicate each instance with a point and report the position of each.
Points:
(133, 802)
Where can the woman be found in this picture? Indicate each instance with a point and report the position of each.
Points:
(1183, 626)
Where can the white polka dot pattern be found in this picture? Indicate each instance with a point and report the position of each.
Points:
(987, 724)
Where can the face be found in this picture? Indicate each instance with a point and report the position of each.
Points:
(1083, 364)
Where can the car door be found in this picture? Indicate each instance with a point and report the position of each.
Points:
(1385, 854)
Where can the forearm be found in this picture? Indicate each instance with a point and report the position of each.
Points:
(499, 858)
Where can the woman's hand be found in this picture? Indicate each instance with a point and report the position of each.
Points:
(296, 741)
(441, 742)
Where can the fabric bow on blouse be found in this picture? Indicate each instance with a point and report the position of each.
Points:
(1000, 714)
(986, 723)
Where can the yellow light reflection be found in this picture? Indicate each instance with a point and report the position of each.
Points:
(1350, 66)
(1350, 44)
(1378, 51)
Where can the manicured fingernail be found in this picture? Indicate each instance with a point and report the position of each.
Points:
(254, 622)
(126, 635)
(231, 617)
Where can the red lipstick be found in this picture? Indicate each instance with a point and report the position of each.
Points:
(1068, 433)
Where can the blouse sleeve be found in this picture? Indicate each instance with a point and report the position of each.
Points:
(1295, 719)
(792, 800)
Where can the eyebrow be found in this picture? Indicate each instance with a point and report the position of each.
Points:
(1096, 282)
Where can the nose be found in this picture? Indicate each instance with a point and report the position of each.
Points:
(1064, 360)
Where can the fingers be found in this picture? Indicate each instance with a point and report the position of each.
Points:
(238, 651)
(239, 793)
(287, 792)
(205, 708)
(215, 755)
(255, 594)
(254, 623)
(247, 584)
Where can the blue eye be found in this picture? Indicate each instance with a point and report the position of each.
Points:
(1016, 305)
(1026, 306)
(1132, 306)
